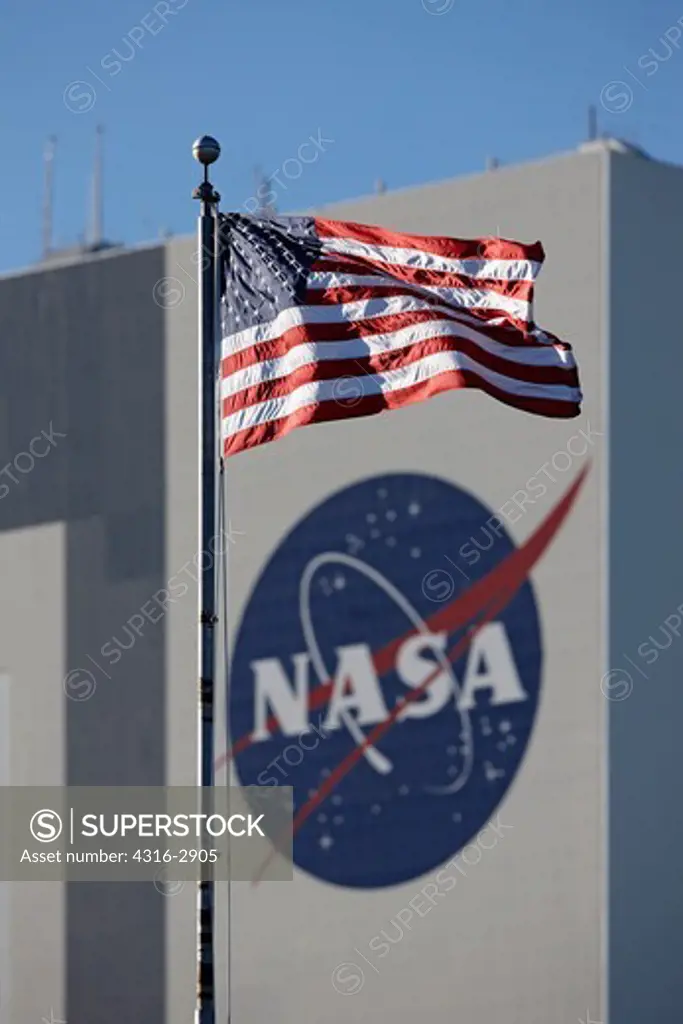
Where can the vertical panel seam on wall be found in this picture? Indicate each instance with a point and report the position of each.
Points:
(605, 292)
(5, 887)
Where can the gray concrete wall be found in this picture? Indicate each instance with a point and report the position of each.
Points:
(83, 545)
(34, 648)
(521, 940)
(103, 521)
(182, 548)
(646, 588)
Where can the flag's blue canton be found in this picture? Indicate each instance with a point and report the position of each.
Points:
(266, 266)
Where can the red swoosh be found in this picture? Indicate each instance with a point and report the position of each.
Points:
(510, 573)
(488, 596)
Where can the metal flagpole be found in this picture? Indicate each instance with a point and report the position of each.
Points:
(206, 150)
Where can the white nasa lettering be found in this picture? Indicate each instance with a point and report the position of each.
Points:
(490, 665)
(356, 688)
(414, 670)
(272, 689)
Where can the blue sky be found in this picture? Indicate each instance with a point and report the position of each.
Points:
(408, 90)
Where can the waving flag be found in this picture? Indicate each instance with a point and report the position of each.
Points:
(323, 320)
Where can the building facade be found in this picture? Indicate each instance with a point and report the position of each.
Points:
(507, 852)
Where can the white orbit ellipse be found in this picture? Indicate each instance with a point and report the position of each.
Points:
(375, 758)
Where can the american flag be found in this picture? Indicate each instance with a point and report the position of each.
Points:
(322, 320)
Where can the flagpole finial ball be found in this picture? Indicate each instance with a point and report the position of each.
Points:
(206, 150)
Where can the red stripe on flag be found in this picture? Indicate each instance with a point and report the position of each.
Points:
(454, 248)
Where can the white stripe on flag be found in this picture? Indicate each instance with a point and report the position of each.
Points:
(497, 269)
(467, 298)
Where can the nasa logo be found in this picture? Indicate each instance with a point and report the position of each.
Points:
(349, 649)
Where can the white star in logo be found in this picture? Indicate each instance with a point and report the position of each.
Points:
(53, 1019)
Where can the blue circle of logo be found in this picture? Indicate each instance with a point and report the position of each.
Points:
(362, 604)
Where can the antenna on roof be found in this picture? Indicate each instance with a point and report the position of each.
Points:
(48, 194)
(380, 186)
(96, 224)
(91, 240)
(592, 123)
